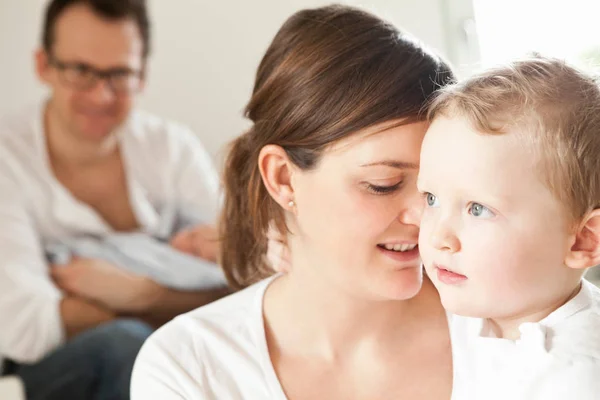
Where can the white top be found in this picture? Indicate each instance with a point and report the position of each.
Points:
(165, 164)
(557, 358)
(220, 351)
(216, 352)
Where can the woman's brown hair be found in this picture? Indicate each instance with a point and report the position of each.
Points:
(329, 73)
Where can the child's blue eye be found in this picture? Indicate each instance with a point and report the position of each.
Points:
(431, 199)
(479, 210)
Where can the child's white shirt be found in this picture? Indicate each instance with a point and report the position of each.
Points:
(556, 358)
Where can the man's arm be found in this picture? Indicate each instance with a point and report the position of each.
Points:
(165, 304)
(31, 306)
(100, 282)
(79, 315)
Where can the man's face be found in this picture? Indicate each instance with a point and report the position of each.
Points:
(83, 44)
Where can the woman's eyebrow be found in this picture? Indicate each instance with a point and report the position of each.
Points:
(393, 164)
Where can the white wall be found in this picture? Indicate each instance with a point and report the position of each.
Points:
(205, 54)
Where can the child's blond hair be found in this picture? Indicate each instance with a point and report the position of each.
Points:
(551, 105)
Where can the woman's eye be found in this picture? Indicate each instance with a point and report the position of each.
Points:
(432, 200)
(480, 211)
(383, 189)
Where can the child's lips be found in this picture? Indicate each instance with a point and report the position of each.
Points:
(448, 276)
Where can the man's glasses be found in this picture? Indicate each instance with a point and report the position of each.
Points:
(82, 76)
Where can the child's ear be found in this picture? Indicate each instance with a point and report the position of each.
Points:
(585, 250)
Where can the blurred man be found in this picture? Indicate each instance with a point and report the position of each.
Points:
(83, 161)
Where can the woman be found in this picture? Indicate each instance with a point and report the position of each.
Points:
(332, 159)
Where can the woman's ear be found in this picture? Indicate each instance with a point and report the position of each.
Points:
(585, 250)
(276, 170)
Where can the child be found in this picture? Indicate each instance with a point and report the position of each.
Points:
(510, 172)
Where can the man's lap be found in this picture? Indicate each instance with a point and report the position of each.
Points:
(96, 364)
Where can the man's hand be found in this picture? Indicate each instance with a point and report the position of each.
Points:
(103, 283)
(200, 241)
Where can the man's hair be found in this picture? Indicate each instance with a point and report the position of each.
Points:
(552, 106)
(112, 10)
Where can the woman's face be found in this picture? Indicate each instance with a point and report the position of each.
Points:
(356, 220)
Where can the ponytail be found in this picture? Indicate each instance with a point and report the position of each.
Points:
(244, 221)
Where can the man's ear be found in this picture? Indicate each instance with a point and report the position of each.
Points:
(276, 170)
(42, 65)
(585, 248)
(144, 77)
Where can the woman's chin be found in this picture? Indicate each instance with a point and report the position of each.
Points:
(403, 284)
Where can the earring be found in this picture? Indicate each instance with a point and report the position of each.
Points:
(291, 203)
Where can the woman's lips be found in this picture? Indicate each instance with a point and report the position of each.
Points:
(401, 256)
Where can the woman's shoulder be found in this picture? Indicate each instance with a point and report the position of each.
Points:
(211, 352)
(239, 312)
(229, 327)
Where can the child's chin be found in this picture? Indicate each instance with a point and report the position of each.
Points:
(461, 307)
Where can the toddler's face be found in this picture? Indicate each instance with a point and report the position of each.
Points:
(493, 237)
